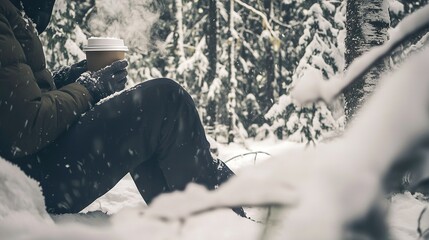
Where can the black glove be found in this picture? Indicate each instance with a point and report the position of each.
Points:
(106, 81)
(69, 74)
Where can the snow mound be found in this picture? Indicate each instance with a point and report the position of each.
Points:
(19, 194)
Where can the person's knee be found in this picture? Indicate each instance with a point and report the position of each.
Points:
(167, 81)
(161, 83)
(155, 91)
(166, 88)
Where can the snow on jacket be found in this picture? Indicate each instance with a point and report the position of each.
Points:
(33, 112)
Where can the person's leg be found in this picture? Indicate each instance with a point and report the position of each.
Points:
(152, 130)
(150, 180)
(183, 154)
(96, 152)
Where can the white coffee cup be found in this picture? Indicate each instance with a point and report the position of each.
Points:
(101, 52)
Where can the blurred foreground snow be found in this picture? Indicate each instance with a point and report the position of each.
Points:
(22, 214)
(126, 209)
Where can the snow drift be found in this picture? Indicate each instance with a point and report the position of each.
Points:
(19, 194)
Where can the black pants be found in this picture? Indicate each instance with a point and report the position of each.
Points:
(152, 131)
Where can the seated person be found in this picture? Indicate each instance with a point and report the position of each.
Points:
(52, 127)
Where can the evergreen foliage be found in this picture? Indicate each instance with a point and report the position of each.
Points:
(321, 58)
(64, 37)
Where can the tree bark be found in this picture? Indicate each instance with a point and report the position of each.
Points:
(367, 25)
(212, 40)
(180, 38)
(269, 65)
(212, 52)
(232, 81)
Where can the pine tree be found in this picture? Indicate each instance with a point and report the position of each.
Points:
(321, 59)
(63, 39)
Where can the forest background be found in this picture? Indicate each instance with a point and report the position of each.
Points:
(239, 59)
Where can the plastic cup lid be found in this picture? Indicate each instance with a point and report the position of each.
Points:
(105, 44)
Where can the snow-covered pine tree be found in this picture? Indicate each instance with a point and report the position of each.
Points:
(199, 59)
(321, 59)
(251, 41)
(192, 67)
(254, 42)
(225, 91)
(248, 70)
(63, 39)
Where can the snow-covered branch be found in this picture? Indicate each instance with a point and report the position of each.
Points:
(310, 91)
(262, 15)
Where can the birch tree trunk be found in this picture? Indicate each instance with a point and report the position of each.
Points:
(367, 25)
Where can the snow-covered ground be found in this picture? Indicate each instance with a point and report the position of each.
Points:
(120, 214)
(237, 157)
(126, 216)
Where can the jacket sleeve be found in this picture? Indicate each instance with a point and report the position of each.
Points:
(30, 119)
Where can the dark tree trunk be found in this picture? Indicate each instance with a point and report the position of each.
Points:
(367, 24)
(280, 77)
(268, 98)
(212, 40)
(229, 87)
(212, 47)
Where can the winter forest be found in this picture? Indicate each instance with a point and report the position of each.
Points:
(238, 59)
(335, 91)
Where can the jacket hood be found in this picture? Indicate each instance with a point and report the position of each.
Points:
(39, 11)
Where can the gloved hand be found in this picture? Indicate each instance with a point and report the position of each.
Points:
(106, 81)
(69, 74)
